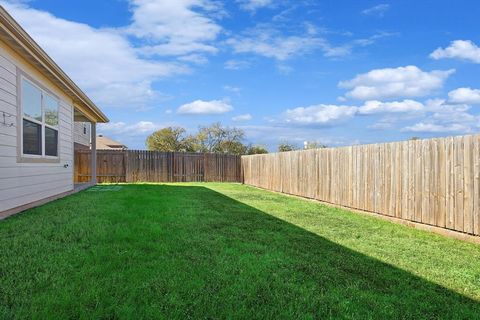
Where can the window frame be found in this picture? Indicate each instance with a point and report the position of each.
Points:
(33, 158)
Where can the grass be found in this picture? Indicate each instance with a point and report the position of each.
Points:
(226, 251)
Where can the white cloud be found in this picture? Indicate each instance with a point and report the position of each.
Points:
(436, 114)
(271, 45)
(120, 93)
(177, 27)
(378, 10)
(266, 41)
(194, 58)
(319, 114)
(339, 51)
(132, 134)
(446, 117)
(205, 107)
(458, 49)
(374, 106)
(434, 105)
(236, 64)
(437, 128)
(242, 117)
(112, 64)
(464, 95)
(100, 61)
(409, 81)
(121, 128)
(383, 124)
(444, 106)
(327, 114)
(374, 38)
(253, 5)
(452, 113)
(270, 41)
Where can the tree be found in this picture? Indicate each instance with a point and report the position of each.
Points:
(232, 147)
(256, 149)
(314, 145)
(218, 139)
(214, 138)
(285, 146)
(171, 139)
(190, 144)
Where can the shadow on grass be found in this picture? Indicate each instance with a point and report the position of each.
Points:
(169, 251)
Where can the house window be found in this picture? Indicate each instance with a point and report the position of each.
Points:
(39, 121)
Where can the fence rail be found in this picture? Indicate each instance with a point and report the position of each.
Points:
(153, 166)
(434, 182)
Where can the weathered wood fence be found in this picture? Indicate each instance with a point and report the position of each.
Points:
(153, 166)
(434, 182)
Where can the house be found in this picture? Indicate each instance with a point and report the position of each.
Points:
(82, 139)
(81, 135)
(105, 143)
(39, 106)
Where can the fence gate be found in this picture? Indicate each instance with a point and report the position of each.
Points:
(82, 165)
(110, 166)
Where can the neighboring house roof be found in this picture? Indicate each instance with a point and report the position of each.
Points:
(17, 38)
(105, 143)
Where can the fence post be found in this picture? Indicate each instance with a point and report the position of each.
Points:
(205, 167)
(93, 150)
(126, 166)
(241, 179)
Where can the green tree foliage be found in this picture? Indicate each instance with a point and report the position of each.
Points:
(232, 147)
(285, 146)
(219, 139)
(171, 139)
(314, 145)
(256, 149)
(214, 138)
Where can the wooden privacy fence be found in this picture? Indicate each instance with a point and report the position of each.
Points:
(153, 166)
(111, 166)
(434, 182)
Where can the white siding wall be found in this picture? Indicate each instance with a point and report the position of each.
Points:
(79, 136)
(23, 183)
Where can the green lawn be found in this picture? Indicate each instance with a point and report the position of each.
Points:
(226, 251)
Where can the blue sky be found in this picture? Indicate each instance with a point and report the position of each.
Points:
(334, 72)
